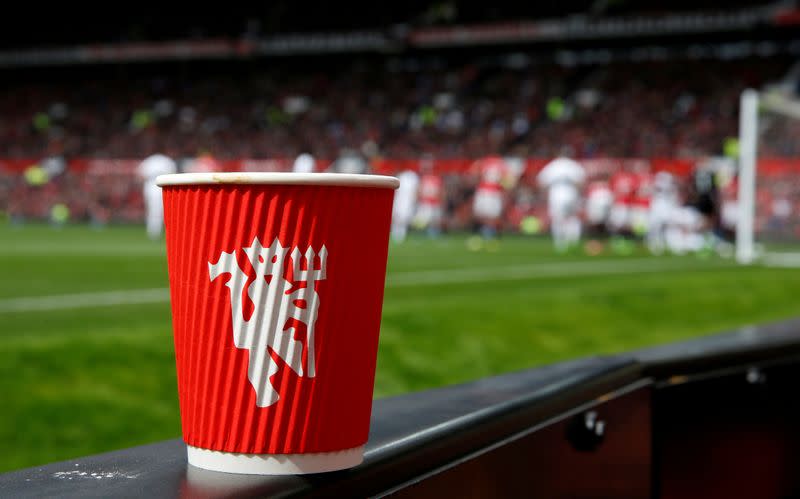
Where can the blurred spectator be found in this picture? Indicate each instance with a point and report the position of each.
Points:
(349, 116)
(388, 108)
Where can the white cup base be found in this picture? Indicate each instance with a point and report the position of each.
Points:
(274, 464)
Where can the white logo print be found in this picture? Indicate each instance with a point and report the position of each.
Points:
(279, 304)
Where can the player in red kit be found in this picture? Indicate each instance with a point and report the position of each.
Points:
(599, 200)
(624, 186)
(487, 206)
(431, 196)
(203, 163)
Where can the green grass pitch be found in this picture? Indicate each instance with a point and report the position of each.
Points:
(77, 377)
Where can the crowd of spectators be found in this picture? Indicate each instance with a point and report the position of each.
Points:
(110, 193)
(385, 107)
(382, 108)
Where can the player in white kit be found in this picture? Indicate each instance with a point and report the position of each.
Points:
(562, 178)
(304, 163)
(349, 161)
(405, 203)
(663, 204)
(149, 169)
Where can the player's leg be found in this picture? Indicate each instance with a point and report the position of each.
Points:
(559, 231)
(573, 227)
(487, 208)
(399, 228)
(435, 222)
(430, 219)
(673, 237)
(618, 218)
(155, 217)
(655, 231)
(156, 226)
(573, 230)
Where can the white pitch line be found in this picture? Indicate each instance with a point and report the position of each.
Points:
(393, 280)
(83, 300)
(790, 260)
(534, 271)
(83, 249)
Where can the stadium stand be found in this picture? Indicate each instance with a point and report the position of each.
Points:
(393, 110)
(450, 82)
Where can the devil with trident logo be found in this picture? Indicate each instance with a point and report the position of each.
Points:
(278, 305)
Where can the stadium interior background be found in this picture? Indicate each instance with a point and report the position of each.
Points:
(440, 88)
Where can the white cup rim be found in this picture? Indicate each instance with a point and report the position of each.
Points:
(278, 178)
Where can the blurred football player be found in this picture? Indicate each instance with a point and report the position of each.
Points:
(663, 204)
(431, 190)
(599, 199)
(405, 201)
(149, 169)
(684, 232)
(704, 195)
(487, 206)
(623, 185)
(691, 225)
(304, 163)
(349, 161)
(640, 204)
(729, 210)
(562, 177)
(203, 163)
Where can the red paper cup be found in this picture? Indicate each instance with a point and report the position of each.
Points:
(276, 284)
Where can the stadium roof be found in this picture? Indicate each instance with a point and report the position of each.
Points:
(33, 29)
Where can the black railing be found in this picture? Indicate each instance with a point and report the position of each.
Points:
(713, 417)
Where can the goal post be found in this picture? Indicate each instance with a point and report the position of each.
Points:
(768, 197)
(748, 145)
